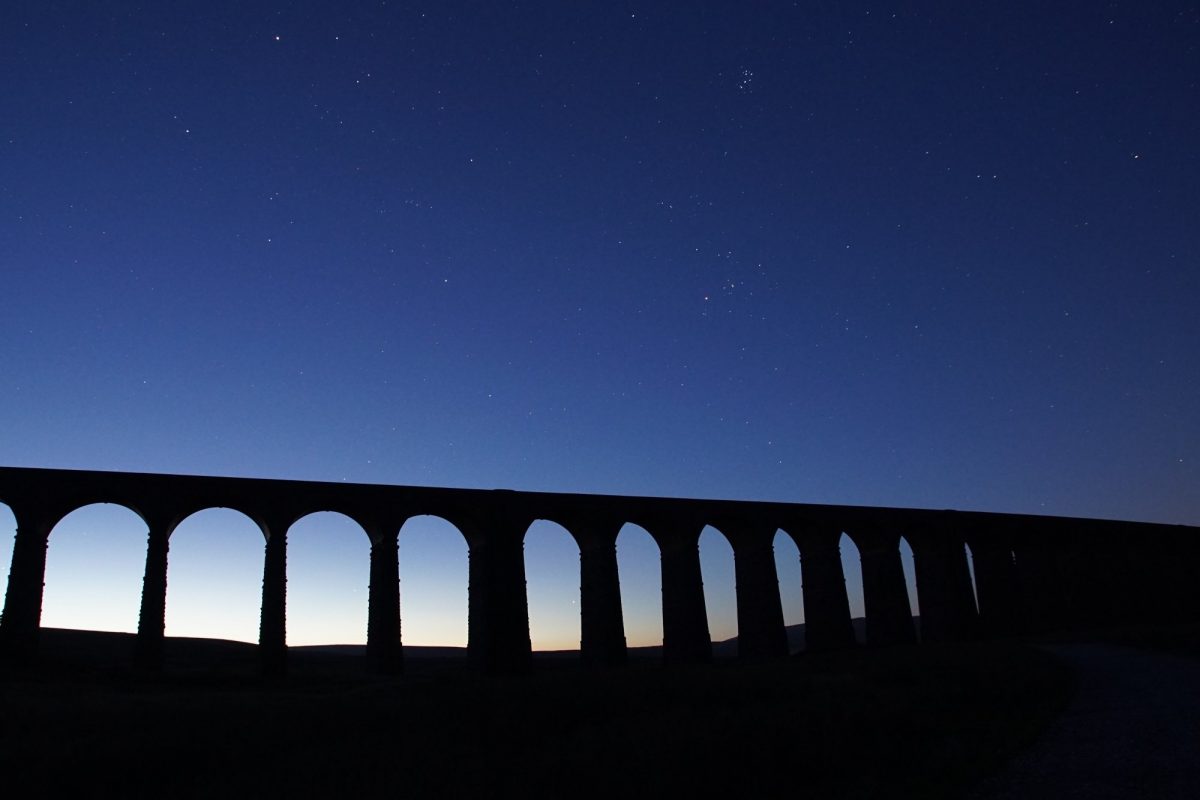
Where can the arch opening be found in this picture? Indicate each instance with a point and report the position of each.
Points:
(720, 586)
(328, 574)
(909, 567)
(640, 570)
(434, 580)
(791, 594)
(214, 576)
(95, 561)
(552, 586)
(852, 570)
(971, 573)
(8, 538)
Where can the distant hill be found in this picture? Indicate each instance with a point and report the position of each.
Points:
(795, 636)
(103, 650)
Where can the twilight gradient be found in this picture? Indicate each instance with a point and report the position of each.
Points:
(942, 255)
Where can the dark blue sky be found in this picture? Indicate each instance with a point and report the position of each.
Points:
(908, 254)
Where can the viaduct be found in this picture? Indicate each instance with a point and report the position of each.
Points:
(1031, 572)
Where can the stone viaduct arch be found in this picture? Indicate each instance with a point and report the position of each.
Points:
(1031, 572)
(110, 561)
(311, 567)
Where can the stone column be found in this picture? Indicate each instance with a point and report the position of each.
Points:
(497, 607)
(1046, 575)
(21, 621)
(685, 619)
(889, 615)
(996, 584)
(761, 632)
(272, 635)
(1185, 555)
(943, 585)
(602, 625)
(1144, 580)
(1098, 572)
(827, 624)
(385, 653)
(148, 653)
(1166, 589)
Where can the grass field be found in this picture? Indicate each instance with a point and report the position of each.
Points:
(911, 721)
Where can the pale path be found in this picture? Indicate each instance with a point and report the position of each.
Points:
(1131, 731)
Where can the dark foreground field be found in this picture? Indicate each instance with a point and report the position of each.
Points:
(915, 721)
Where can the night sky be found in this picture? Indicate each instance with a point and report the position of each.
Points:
(909, 254)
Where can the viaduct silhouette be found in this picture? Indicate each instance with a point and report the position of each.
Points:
(1031, 572)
